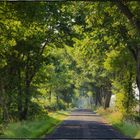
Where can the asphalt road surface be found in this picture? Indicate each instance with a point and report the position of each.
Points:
(84, 124)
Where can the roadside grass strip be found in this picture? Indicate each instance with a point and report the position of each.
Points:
(115, 119)
(34, 128)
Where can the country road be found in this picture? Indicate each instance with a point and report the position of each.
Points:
(84, 124)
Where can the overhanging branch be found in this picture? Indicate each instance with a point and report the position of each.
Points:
(127, 12)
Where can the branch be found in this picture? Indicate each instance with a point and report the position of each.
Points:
(133, 51)
(43, 47)
(127, 12)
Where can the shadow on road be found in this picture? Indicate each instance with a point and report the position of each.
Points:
(84, 124)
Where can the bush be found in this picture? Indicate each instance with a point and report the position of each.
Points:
(51, 107)
(56, 106)
(61, 105)
(103, 111)
(36, 110)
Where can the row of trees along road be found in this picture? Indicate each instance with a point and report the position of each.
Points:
(50, 52)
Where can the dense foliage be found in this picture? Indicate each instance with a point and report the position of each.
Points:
(52, 54)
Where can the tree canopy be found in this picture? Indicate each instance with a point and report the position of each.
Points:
(52, 53)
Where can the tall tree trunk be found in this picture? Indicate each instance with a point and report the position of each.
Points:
(129, 91)
(27, 92)
(20, 107)
(97, 97)
(136, 55)
(107, 99)
(50, 95)
(136, 51)
(107, 95)
(138, 73)
(103, 95)
(57, 100)
(68, 105)
(3, 103)
(27, 99)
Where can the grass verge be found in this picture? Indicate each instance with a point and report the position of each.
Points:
(34, 128)
(115, 119)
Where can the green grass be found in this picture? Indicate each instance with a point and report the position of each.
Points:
(115, 119)
(128, 129)
(35, 128)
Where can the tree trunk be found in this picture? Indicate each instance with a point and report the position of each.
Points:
(138, 74)
(68, 105)
(129, 14)
(27, 94)
(107, 99)
(20, 109)
(130, 93)
(50, 95)
(27, 99)
(136, 55)
(57, 100)
(103, 95)
(107, 95)
(136, 51)
(97, 97)
(3, 103)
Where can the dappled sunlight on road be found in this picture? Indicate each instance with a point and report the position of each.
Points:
(85, 124)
